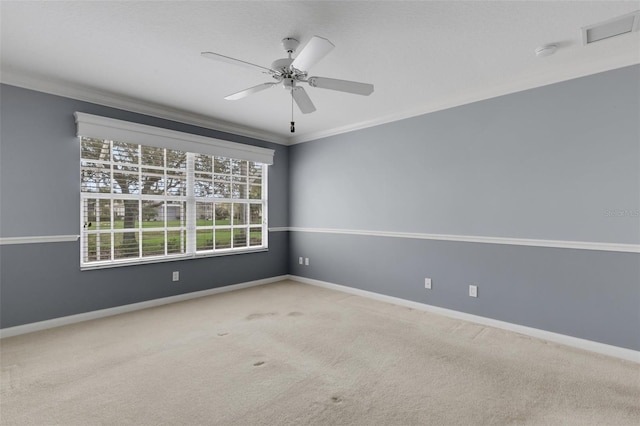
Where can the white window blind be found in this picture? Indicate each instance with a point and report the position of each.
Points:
(149, 202)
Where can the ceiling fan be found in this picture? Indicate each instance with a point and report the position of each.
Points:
(290, 72)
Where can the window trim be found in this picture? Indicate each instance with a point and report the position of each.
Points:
(169, 258)
(97, 127)
(94, 126)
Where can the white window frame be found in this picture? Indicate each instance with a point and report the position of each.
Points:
(108, 129)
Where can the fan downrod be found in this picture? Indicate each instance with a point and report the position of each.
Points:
(290, 44)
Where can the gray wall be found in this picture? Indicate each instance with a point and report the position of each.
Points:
(39, 186)
(544, 163)
(548, 163)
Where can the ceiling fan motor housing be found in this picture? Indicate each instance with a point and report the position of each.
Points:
(282, 65)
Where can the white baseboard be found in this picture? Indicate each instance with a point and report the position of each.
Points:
(601, 348)
(72, 319)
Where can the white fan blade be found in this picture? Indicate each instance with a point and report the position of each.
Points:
(302, 100)
(234, 61)
(341, 85)
(249, 91)
(316, 49)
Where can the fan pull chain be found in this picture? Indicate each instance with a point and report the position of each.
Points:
(293, 124)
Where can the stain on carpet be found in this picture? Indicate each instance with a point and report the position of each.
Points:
(259, 315)
(295, 314)
(222, 334)
(258, 364)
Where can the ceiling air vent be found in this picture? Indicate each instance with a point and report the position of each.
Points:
(613, 27)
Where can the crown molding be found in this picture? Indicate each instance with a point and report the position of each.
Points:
(68, 90)
(508, 87)
(86, 94)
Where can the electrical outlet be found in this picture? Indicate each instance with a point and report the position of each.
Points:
(300, 260)
(473, 290)
(306, 261)
(176, 276)
(427, 283)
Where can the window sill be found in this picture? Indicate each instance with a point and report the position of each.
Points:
(163, 259)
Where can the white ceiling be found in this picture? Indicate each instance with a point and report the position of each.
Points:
(421, 56)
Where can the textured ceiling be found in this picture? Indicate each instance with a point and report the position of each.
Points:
(421, 56)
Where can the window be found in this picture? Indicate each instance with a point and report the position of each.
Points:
(146, 203)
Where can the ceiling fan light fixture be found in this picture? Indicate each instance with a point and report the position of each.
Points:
(288, 83)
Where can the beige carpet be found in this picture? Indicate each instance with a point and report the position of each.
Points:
(293, 354)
